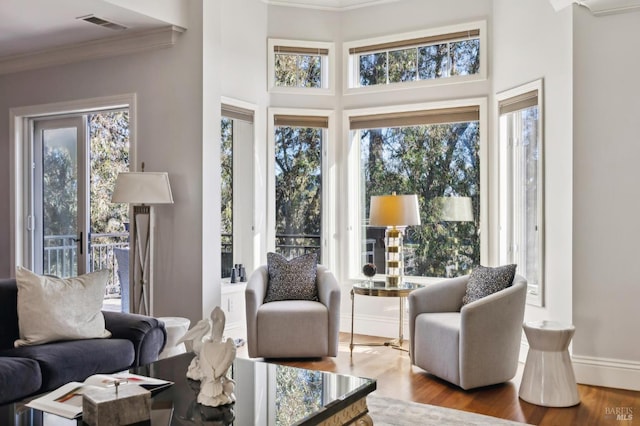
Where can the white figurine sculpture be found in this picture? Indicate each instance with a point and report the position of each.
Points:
(214, 356)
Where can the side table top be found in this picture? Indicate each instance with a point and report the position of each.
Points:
(548, 325)
(380, 289)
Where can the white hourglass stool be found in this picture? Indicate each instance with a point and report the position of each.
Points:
(548, 377)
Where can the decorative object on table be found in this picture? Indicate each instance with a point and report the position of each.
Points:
(238, 273)
(116, 405)
(144, 189)
(369, 270)
(199, 414)
(214, 356)
(394, 212)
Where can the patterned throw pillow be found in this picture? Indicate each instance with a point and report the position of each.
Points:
(485, 281)
(293, 279)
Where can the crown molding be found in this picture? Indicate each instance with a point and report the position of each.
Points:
(102, 48)
(330, 5)
(600, 7)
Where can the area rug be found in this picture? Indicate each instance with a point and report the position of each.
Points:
(394, 412)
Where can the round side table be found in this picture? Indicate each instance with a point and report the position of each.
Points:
(176, 328)
(548, 377)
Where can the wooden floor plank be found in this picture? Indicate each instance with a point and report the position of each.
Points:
(397, 378)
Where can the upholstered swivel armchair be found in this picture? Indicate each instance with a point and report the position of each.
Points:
(293, 328)
(472, 345)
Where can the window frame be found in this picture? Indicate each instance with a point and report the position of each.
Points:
(327, 67)
(351, 84)
(328, 220)
(353, 172)
(535, 293)
(244, 219)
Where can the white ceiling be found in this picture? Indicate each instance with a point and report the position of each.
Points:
(32, 25)
(28, 26)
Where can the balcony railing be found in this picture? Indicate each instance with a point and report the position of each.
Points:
(61, 256)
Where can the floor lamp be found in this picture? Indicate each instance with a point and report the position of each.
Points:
(394, 212)
(143, 189)
(454, 209)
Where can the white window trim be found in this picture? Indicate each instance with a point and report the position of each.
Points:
(18, 173)
(329, 181)
(351, 72)
(352, 172)
(328, 68)
(246, 249)
(535, 294)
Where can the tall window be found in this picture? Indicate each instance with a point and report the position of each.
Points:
(521, 184)
(236, 144)
(298, 148)
(434, 154)
(300, 66)
(421, 56)
(226, 195)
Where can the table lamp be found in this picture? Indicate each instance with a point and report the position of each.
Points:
(394, 212)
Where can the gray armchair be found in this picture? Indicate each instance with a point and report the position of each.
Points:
(293, 328)
(473, 345)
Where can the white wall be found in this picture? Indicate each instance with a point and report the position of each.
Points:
(244, 79)
(606, 200)
(168, 85)
(522, 53)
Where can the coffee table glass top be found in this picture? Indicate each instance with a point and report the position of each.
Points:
(266, 394)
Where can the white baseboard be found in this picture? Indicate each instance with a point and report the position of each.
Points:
(372, 325)
(611, 373)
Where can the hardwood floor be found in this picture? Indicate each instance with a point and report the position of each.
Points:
(396, 378)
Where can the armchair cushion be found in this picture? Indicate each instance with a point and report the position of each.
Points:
(293, 279)
(484, 281)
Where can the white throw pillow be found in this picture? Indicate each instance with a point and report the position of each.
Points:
(51, 309)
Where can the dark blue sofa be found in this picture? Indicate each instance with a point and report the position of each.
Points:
(136, 340)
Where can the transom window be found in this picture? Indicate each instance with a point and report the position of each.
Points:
(302, 66)
(434, 153)
(417, 57)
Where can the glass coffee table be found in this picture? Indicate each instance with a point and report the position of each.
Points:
(266, 394)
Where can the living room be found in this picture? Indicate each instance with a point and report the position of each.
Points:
(223, 54)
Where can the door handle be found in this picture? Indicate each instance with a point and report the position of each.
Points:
(79, 240)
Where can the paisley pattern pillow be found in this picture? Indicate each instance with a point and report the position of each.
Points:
(485, 281)
(293, 279)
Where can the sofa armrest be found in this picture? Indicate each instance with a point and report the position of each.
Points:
(147, 334)
(254, 297)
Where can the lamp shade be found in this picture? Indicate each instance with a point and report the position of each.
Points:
(394, 210)
(142, 188)
(454, 209)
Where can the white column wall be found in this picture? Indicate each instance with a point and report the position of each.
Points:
(606, 290)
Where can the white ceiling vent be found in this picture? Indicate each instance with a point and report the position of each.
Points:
(102, 22)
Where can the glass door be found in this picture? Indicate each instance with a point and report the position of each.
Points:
(60, 215)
